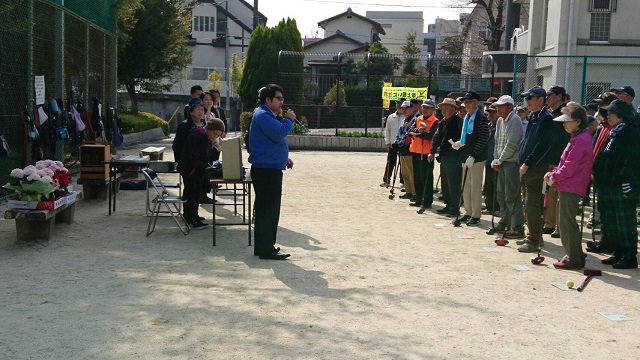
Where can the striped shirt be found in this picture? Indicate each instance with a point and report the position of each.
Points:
(509, 133)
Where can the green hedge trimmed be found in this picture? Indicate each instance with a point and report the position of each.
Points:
(141, 122)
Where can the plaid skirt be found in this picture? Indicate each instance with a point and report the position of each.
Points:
(618, 218)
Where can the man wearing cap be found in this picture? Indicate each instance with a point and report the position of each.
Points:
(473, 148)
(556, 100)
(426, 125)
(509, 133)
(448, 129)
(402, 142)
(625, 93)
(390, 131)
(462, 110)
(490, 175)
(533, 158)
(522, 112)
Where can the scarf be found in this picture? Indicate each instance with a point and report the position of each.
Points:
(467, 125)
(613, 134)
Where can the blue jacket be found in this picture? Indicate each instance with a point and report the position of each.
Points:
(535, 148)
(268, 139)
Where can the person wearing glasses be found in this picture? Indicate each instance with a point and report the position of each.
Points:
(269, 157)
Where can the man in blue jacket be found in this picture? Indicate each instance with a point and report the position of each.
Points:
(269, 157)
(534, 156)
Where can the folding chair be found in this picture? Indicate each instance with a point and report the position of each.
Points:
(162, 167)
(163, 197)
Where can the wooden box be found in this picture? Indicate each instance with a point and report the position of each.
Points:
(92, 158)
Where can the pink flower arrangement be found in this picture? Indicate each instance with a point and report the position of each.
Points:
(34, 183)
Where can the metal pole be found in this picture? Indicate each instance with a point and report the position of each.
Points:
(493, 74)
(514, 86)
(30, 22)
(338, 91)
(366, 123)
(584, 80)
(430, 75)
(256, 14)
(227, 103)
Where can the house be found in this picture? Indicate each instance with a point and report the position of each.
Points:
(397, 25)
(212, 24)
(596, 34)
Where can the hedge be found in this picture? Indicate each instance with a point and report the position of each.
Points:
(141, 122)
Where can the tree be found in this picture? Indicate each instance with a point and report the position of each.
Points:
(152, 44)
(214, 79)
(261, 65)
(380, 62)
(235, 72)
(410, 52)
(331, 97)
(452, 61)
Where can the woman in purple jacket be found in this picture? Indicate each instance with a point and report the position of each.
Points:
(571, 178)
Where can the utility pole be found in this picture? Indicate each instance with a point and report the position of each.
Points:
(256, 14)
(227, 107)
(512, 22)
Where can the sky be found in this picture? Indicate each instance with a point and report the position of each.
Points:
(308, 13)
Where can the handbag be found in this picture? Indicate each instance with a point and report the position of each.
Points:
(62, 133)
(76, 118)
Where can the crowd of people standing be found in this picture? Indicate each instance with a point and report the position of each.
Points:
(535, 164)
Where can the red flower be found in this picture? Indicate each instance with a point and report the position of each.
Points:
(63, 178)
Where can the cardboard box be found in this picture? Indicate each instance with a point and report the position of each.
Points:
(36, 205)
(71, 197)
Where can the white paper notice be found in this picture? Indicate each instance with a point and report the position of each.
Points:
(38, 87)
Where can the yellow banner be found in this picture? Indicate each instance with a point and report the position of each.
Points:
(386, 104)
(393, 93)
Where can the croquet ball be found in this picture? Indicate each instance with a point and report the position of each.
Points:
(570, 284)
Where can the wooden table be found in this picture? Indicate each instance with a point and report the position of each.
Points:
(241, 198)
(39, 224)
(116, 166)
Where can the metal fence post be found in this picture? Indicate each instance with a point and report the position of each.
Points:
(366, 122)
(30, 23)
(584, 80)
(338, 91)
(514, 86)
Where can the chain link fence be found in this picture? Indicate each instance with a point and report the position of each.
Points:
(584, 77)
(72, 44)
(342, 92)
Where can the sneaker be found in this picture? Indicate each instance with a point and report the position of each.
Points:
(473, 221)
(405, 196)
(527, 247)
(198, 225)
(201, 218)
(515, 234)
(417, 204)
(414, 198)
(555, 234)
(521, 241)
(500, 228)
(383, 184)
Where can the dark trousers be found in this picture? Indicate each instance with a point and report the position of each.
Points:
(451, 180)
(392, 161)
(192, 189)
(490, 182)
(618, 218)
(423, 178)
(533, 179)
(267, 186)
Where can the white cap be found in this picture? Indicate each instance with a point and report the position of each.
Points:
(406, 104)
(505, 99)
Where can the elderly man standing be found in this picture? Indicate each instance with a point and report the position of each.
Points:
(509, 133)
(489, 175)
(403, 141)
(390, 131)
(625, 93)
(533, 158)
(426, 125)
(556, 100)
(448, 129)
(473, 148)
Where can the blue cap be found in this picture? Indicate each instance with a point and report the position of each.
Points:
(195, 102)
(535, 91)
(626, 89)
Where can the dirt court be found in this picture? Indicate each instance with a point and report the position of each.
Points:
(368, 279)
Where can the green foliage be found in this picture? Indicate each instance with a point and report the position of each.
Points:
(331, 98)
(245, 121)
(370, 134)
(261, 64)
(410, 51)
(142, 121)
(152, 44)
(299, 130)
(213, 79)
(359, 96)
(380, 62)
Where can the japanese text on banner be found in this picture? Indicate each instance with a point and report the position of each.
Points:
(394, 93)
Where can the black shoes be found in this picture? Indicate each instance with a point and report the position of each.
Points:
(465, 218)
(274, 256)
(473, 221)
(417, 204)
(548, 230)
(207, 200)
(600, 248)
(444, 210)
(627, 262)
(275, 250)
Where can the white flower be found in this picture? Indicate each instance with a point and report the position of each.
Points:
(17, 173)
(47, 179)
(33, 176)
(30, 170)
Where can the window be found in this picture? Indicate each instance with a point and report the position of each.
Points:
(386, 26)
(600, 26)
(595, 89)
(483, 29)
(222, 26)
(204, 23)
(602, 5)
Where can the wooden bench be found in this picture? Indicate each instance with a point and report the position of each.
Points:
(97, 188)
(155, 153)
(39, 224)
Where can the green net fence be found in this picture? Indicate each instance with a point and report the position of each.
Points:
(72, 46)
(584, 77)
(343, 92)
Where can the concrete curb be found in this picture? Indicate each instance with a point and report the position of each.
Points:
(142, 137)
(334, 143)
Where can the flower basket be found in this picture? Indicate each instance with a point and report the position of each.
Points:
(35, 184)
(37, 205)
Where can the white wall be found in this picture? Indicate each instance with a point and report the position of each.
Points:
(396, 35)
(355, 28)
